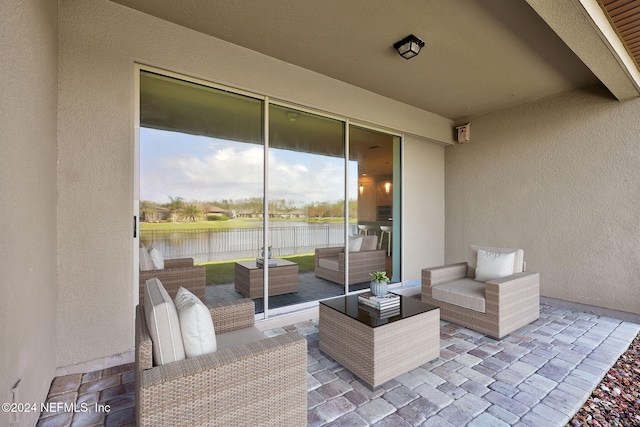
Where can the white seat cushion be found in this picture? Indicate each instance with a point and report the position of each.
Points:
(466, 293)
(330, 263)
(239, 337)
(494, 265)
(196, 325)
(163, 324)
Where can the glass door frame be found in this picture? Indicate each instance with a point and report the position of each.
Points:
(267, 101)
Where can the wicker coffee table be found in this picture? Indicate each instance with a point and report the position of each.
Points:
(249, 279)
(378, 350)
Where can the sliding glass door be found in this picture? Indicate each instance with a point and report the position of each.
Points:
(377, 189)
(280, 204)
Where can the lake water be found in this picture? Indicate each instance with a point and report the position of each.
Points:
(205, 245)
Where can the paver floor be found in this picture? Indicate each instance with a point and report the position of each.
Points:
(537, 376)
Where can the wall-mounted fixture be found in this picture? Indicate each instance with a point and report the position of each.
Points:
(361, 189)
(463, 133)
(409, 46)
(387, 187)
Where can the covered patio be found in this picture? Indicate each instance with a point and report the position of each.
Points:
(552, 95)
(538, 376)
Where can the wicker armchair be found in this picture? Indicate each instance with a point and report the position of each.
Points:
(177, 273)
(330, 263)
(509, 302)
(260, 383)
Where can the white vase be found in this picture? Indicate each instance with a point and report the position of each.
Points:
(379, 288)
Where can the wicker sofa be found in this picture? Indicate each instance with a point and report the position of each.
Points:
(330, 262)
(496, 307)
(176, 273)
(246, 384)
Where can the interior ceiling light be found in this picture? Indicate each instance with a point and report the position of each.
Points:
(409, 46)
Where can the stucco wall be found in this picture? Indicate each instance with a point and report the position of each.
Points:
(559, 178)
(28, 46)
(99, 43)
(423, 207)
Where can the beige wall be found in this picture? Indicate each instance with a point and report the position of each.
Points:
(423, 207)
(559, 178)
(99, 43)
(28, 36)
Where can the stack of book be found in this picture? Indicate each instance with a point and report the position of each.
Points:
(384, 306)
(270, 262)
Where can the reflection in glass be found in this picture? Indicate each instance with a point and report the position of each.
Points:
(202, 192)
(306, 183)
(201, 179)
(377, 191)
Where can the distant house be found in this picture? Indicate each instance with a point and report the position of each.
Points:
(216, 211)
(247, 213)
(297, 214)
(155, 214)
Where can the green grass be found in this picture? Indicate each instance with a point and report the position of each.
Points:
(222, 272)
(214, 225)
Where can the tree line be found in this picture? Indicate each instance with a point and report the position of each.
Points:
(179, 210)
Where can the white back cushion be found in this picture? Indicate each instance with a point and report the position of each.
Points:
(355, 243)
(369, 243)
(146, 263)
(156, 258)
(472, 258)
(196, 325)
(163, 324)
(493, 265)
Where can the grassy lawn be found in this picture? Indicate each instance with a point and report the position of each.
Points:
(222, 272)
(199, 225)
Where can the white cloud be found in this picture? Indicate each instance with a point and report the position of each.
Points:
(227, 170)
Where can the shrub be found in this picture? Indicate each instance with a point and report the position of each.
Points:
(217, 218)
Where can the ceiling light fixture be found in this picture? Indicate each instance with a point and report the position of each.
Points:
(409, 46)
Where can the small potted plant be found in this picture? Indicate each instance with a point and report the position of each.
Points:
(268, 253)
(379, 282)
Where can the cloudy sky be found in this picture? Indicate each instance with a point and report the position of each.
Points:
(208, 169)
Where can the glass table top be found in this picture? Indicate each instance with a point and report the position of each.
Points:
(350, 306)
(277, 262)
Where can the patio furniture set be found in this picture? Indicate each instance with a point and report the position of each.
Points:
(249, 379)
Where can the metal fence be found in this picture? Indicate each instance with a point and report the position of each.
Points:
(204, 245)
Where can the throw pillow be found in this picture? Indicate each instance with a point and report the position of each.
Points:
(163, 324)
(494, 265)
(196, 326)
(146, 263)
(156, 258)
(355, 243)
(369, 243)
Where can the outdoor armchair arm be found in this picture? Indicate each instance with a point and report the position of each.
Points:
(179, 262)
(333, 251)
(223, 387)
(518, 284)
(368, 260)
(144, 346)
(513, 298)
(232, 315)
(447, 273)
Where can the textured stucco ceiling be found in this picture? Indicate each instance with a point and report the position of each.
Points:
(480, 55)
